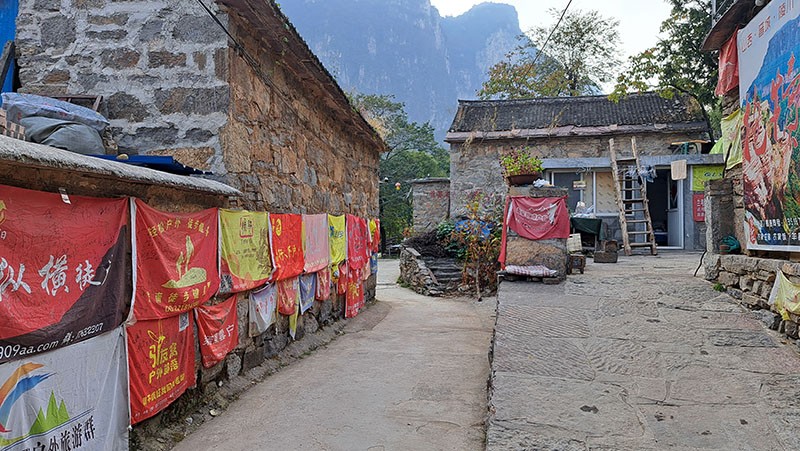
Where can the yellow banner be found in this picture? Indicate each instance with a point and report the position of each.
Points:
(337, 239)
(730, 144)
(702, 174)
(785, 296)
(245, 250)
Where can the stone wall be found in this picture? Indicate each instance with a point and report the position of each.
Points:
(285, 154)
(172, 86)
(431, 202)
(160, 66)
(475, 165)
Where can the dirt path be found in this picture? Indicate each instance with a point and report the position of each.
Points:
(410, 373)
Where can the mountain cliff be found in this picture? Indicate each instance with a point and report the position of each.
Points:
(405, 48)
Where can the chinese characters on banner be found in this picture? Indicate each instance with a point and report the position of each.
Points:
(354, 297)
(535, 219)
(288, 295)
(769, 84)
(245, 253)
(337, 239)
(358, 251)
(315, 243)
(161, 363)
(287, 245)
(698, 207)
(63, 270)
(323, 284)
(217, 330)
(75, 398)
(176, 261)
(263, 306)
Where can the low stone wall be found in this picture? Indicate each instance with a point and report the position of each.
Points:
(750, 280)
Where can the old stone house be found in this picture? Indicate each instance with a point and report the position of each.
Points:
(232, 89)
(571, 135)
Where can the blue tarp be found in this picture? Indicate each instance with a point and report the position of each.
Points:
(159, 163)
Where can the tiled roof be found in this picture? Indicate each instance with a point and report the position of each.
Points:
(646, 109)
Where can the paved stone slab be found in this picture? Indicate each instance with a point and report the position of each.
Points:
(659, 360)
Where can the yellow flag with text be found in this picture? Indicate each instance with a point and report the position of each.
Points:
(245, 250)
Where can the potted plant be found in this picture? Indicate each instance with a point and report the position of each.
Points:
(521, 168)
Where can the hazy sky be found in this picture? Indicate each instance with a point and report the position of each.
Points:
(639, 19)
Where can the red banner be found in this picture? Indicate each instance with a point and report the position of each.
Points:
(375, 235)
(176, 261)
(64, 271)
(218, 331)
(728, 67)
(354, 300)
(286, 245)
(160, 362)
(539, 218)
(357, 242)
(288, 295)
(323, 284)
(699, 207)
(341, 281)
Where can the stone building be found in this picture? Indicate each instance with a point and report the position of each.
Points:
(571, 135)
(233, 90)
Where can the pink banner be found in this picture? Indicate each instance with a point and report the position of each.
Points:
(315, 242)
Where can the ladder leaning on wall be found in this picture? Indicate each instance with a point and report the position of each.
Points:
(631, 195)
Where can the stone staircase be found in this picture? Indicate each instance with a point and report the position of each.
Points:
(447, 272)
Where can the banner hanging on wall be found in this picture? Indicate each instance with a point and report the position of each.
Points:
(315, 242)
(75, 398)
(64, 269)
(337, 239)
(263, 308)
(287, 245)
(217, 330)
(769, 85)
(176, 261)
(246, 262)
(357, 242)
(161, 363)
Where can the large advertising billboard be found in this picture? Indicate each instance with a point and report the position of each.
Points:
(769, 89)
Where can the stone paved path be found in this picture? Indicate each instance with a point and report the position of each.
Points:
(638, 356)
(409, 374)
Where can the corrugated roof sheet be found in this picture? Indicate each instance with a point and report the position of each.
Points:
(584, 111)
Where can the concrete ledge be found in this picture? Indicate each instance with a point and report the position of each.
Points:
(31, 155)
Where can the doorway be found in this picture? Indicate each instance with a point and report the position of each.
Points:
(665, 197)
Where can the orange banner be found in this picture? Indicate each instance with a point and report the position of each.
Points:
(160, 362)
(217, 330)
(176, 261)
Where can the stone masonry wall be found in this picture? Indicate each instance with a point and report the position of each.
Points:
(160, 66)
(285, 153)
(475, 166)
(431, 201)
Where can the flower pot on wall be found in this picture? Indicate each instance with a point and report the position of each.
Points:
(523, 179)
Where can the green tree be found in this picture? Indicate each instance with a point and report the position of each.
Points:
(676, 64)
(413, 153)
(580, 54)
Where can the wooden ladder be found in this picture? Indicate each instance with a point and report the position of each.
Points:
(635, 204)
